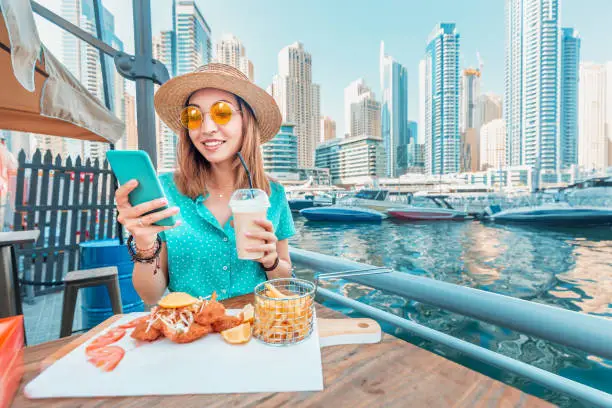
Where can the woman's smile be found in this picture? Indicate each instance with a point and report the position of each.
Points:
(212, 145)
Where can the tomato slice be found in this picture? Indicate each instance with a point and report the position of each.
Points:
(106, 358)
(134, 323)
(104, 340)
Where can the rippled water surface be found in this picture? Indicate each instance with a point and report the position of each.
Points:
(568, 268)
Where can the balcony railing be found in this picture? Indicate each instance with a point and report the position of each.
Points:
(585, 332)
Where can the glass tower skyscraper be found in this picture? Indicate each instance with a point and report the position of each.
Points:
(532, 96)
(394, 108)
(441, 94)
(192, 45)
(280, 155)
(570, 73)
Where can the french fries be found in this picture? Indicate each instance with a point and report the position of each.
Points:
(282, 317)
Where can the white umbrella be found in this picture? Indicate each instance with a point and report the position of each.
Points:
(39, 94)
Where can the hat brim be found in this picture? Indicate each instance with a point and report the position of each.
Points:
(170, 100)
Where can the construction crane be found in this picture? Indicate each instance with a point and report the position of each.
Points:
(480, 62)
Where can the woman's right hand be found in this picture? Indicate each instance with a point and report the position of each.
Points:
(133, 219)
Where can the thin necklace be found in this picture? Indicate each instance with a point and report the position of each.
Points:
(220, 195)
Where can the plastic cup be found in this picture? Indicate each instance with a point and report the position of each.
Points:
(247, 206)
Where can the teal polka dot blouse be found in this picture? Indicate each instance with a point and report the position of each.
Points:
(202, 256)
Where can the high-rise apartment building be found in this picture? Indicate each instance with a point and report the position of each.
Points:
(231, 51)
(441, 100)
(570, 74)
(298, 99)
(532, 94)
(328, 129)
(594, 123)
(394, 108)
(468, 102)
(192, 44)
(493, 145)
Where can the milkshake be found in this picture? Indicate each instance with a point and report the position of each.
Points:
(247, 206)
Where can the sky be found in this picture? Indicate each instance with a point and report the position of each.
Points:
(344, 36)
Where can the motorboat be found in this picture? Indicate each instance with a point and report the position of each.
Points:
(376, 199)
(308, 200)
(340, 213)
(594, 191)
(560, 213)
(428, 208)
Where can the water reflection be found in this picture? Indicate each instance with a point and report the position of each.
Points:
(568, 268)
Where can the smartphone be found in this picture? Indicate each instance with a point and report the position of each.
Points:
(136, 164)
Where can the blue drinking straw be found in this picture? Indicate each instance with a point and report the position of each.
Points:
(247, 172)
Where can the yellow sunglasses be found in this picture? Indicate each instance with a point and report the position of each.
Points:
(220, 112)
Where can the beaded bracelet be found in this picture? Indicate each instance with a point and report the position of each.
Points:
(140, 258)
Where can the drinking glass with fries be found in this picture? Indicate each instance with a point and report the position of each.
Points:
(284, 311)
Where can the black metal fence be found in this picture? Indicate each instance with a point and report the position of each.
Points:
(69, 202)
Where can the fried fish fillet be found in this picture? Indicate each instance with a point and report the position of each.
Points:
(194, 332)
(225, 323)
(211, 312)
(141, 333)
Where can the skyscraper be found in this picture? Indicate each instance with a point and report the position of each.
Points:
(163, 49)
(166, 138)
(191, 41)
(328, 129)
(361, 110)
(116, 86)
(231, 51)
(183, 49)
(414, 162)
(441, 82)
(84, 63)
(352, 94)
(280, 153)
(532, 83)
(469, 94)
(131, 128)
(609, 110)
(488, 108)
(394, 107)
(298, 98)
(71, 45)
(365, 117)
(570, 73)
(422, 98)
(315, 97)
(593, 123)
(493, 144)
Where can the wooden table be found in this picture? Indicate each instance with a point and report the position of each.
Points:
(392, 373)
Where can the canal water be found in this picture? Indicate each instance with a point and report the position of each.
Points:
(562, 267)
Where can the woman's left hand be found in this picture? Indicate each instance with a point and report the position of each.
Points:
(269, 248)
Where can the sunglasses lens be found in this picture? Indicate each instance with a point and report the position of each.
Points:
(191, 118)
(221, 113)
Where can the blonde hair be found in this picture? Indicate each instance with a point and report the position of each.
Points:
(193, 170)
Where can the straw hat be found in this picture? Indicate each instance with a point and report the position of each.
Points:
(171, 97)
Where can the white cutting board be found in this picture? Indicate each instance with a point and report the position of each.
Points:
(206, 366)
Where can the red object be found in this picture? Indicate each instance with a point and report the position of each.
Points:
(135, 322)
(104, 340)
(106, 358)
(11, 358)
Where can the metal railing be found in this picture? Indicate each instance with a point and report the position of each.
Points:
(588, 333)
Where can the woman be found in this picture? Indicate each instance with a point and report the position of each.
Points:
(217, 113)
